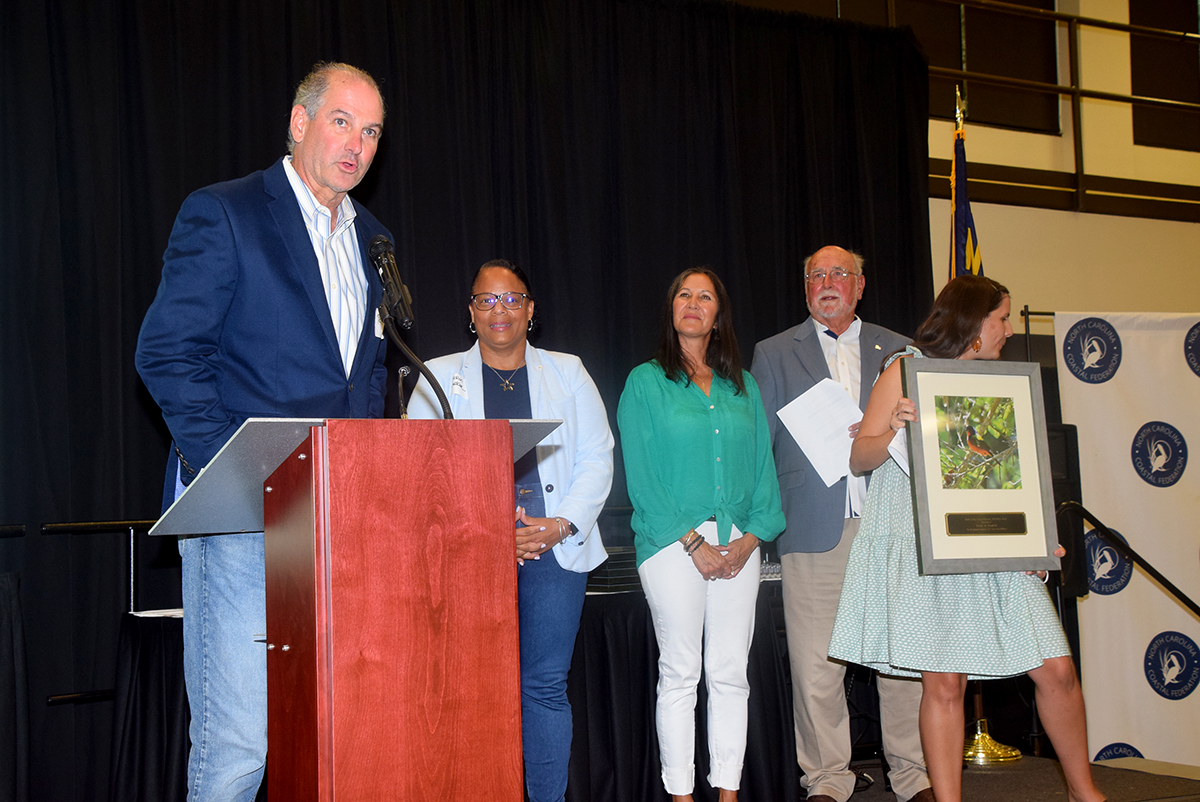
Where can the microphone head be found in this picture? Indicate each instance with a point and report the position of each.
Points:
(379, 245)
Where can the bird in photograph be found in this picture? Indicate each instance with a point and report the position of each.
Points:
(975, 445)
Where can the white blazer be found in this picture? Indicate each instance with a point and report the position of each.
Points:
(575, 462)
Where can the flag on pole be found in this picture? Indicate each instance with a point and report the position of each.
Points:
(964, 240)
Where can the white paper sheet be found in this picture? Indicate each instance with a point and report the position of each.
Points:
(898, 448)
(819, 422)
(176, 612)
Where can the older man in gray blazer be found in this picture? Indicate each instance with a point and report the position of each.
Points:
(821, 524)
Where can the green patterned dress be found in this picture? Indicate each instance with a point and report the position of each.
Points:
(894, 620)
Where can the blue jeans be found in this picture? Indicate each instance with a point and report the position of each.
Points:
(225, 665)
(550, 603)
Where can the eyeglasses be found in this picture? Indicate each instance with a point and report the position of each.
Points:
(509, 300)
(837, 274)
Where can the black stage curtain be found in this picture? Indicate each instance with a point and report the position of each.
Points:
(602, 144)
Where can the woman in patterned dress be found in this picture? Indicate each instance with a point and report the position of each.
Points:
(950, 628)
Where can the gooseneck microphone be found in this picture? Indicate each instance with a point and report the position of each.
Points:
(395, 295)
(396, 312)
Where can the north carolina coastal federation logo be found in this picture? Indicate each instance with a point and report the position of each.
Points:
(1191, 348)
(1092, 350)
(1172, 665)
(1108, 571)
(1115, 750)
(1159, 453)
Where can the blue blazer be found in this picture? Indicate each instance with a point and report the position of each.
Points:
(575, 461)
(785, 366)
(240, 326)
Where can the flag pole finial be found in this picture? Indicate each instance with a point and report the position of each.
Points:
(964, 240)
(958, 109)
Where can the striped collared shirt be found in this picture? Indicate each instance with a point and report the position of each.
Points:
(340, 261)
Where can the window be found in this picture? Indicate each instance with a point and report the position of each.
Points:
(1167, 69)
(971, 39)
(978, 40)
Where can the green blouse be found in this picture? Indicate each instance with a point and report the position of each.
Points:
(689, 457)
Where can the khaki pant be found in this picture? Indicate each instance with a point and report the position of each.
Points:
(812, 584)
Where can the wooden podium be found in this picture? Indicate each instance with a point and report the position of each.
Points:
(391, 591)
(392, 651)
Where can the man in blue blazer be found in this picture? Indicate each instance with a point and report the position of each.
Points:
(266, 308)
(821, 524)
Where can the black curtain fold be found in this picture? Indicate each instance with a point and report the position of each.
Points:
(14, 695)
(604, 145)
(151, 716)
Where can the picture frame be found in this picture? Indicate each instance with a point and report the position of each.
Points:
(983, 499)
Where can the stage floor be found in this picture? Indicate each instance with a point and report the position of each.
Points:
(1035, 779)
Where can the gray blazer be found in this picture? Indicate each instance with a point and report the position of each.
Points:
(786, 366)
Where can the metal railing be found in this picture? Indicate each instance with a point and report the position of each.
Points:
(1073, 90)
(1127, 552)
(80, 528)
(108, 527)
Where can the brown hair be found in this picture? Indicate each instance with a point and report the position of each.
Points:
(957, 316)
(722, 356)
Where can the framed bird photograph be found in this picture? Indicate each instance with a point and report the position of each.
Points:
(980, 467)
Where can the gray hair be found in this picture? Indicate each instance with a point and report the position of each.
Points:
(311, 92)
(858, 260)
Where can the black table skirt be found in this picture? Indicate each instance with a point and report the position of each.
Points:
(150, 713)
(14, 694)
(614, 755)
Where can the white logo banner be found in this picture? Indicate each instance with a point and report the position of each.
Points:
(1131, 384)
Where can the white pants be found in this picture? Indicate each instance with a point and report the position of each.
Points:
(689, 611)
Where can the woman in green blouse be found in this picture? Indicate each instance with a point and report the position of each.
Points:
(702, 481)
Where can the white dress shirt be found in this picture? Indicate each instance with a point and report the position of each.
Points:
(843, 355)
(340, 261)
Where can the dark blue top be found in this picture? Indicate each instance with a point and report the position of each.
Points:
(509, 404)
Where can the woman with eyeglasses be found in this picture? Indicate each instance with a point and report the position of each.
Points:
(560, 488)
(949, 628)
(702, 482)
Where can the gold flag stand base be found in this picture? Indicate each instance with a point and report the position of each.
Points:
(983, 750)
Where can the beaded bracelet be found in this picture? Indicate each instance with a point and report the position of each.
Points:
(689, 538)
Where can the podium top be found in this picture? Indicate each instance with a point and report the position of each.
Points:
(226, 496)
